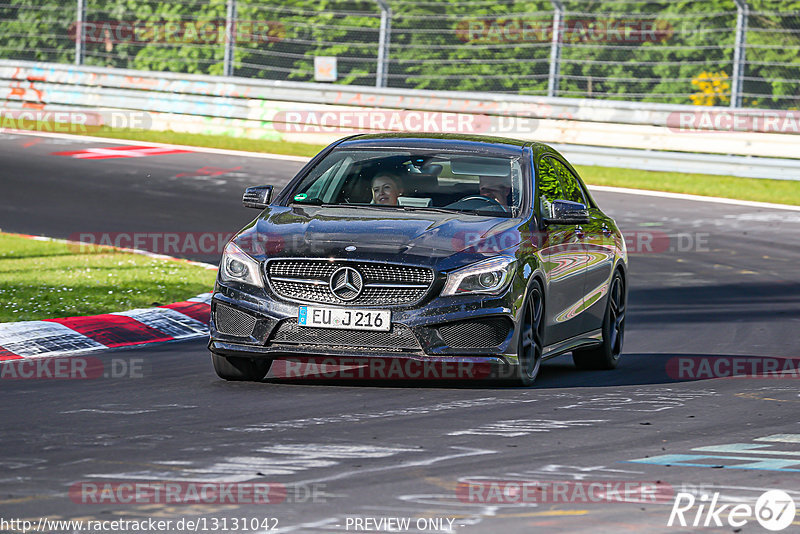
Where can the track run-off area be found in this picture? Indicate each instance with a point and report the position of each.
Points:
(714, 292)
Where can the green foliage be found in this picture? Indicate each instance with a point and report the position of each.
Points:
(45, 279)
(666, 51)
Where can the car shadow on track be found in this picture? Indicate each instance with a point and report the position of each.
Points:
(636, 369)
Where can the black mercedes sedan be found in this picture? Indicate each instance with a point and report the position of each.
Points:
(423, 248)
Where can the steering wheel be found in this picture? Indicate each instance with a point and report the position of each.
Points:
(489, 200)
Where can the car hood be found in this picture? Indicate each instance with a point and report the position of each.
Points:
(419, 237)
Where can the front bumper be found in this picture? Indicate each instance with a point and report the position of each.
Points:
(435, 324)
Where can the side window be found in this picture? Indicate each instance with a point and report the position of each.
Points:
(334, 180)
(549, 185)
(321, 183)
(569, 184)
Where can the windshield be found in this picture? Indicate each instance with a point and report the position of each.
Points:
(411, 179)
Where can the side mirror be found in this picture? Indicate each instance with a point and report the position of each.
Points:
(257, 197)
(567, 212)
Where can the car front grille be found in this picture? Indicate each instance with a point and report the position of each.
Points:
(383, 284)
(477, 334)
(399, 338)
(233, 322)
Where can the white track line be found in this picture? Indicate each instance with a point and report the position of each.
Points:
(683, 196)
(206, 150)
(245, 154)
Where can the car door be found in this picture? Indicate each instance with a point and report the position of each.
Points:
(564, 260)
(597, 242)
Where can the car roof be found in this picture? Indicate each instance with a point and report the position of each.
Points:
(461, 142)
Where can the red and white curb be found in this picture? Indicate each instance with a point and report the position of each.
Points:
(78, 335)
(74, 335)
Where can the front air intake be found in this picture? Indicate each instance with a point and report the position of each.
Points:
(233, 322)
(476, 334)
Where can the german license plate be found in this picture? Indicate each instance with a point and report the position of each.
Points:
(379, 320)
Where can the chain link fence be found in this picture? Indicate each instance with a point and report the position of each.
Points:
(704, 52)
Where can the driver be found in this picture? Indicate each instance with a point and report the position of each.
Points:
(386, 188)
(496, 187)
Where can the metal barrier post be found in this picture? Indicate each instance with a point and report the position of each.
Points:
(742, 12)
(80, 34)
(230, 38)
(555, 49)
(383, 43)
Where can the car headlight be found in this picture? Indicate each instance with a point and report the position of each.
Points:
(236, 266)
(489, 276)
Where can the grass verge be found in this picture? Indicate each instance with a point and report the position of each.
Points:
(761, 190)
(45, 280)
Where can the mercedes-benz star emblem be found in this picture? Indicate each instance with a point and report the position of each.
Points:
(346, 283)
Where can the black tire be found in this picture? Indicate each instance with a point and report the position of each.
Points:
(531, 337)
(606, 355)
(240, 369)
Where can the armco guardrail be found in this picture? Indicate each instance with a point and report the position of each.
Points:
(318, 113)
(655, 160)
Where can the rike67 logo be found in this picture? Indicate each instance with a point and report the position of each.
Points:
(774, 510)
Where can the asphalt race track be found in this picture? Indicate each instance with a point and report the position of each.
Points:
(720, 281)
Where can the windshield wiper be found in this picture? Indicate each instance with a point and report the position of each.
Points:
(449, 211)
(424, 208)
(488, 213)
(404, 208)
(318, 202)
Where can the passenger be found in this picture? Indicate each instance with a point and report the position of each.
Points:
(386, 188)
(496, 188)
